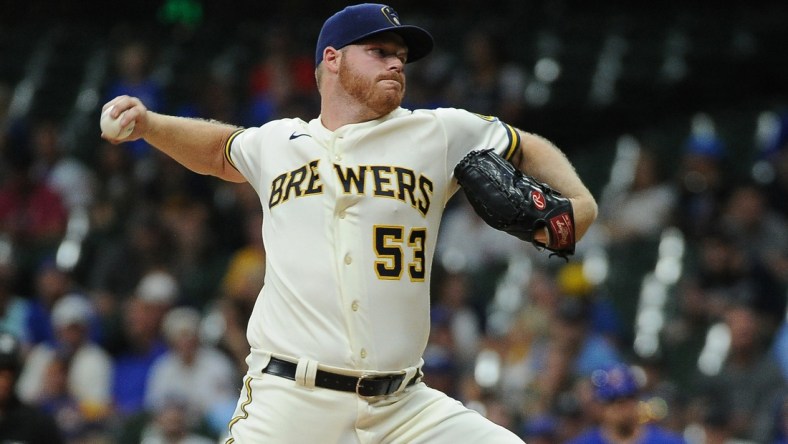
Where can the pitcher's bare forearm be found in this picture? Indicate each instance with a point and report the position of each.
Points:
(196, 144)
(539, 158)
(199, 145)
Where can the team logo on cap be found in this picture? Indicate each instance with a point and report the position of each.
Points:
(391, 15)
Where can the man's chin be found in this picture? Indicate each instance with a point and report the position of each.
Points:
(386, 102)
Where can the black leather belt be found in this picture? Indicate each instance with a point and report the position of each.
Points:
(366, 386)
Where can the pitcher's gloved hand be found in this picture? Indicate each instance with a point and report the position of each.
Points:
(508, 200)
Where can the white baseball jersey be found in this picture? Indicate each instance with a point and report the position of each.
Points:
(351, 220)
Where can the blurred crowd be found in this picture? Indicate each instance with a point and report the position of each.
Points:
(126, 281)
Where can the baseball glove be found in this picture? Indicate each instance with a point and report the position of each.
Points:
(508, 200)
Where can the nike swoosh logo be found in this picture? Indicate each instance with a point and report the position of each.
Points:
(296, 136)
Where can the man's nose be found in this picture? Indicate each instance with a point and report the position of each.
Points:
(396, 64)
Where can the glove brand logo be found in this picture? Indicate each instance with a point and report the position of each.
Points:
(538, 199)
(562, 225)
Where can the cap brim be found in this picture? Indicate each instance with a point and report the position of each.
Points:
(418, 40)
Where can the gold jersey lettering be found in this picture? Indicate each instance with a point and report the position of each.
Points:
(350, 177)
(302, 181)
(398, 183)
(382, 176)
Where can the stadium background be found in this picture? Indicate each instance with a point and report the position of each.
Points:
(732, 55)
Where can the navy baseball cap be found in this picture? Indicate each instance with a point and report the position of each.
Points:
(615, 382)
(358, 22)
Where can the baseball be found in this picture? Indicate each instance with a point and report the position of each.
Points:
(111, 127)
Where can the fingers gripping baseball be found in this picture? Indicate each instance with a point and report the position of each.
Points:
(123, 119)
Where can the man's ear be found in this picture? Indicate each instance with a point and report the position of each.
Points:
(331, 58)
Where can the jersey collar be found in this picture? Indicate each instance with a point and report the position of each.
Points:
(321, 132)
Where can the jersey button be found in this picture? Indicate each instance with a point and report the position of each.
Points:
(337, 157)
(354, 306)
(348, 259)
(342, 215)
(363, 353)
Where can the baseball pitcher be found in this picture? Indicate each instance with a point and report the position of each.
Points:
(352, 202)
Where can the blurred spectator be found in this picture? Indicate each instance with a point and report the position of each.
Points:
(441, 369)
(141, 342)
(198, 262)
(132, 76)
(484, 401)
(245, 272)
(170, 424)
(722, 268)
(118, 265)
(241, 284)
(571, 410)
(616, 392)
(191, 363)
(541, 429)
(541, 360)
(486, 81)
(643, 209)
(459, 318)
(62, 172)
(522, 349)
(543, 292)
(749, 381)
(685, 331)
(664, 401)
(116, 183)
(715, 427)
(20, 422)
(427, 81)
(500, 413)
(571, 351)
(89, 367)
(466, 244)
(702, 184)
(113, 208)
(762, 234)
(720, 276)
(32, 214)
(14, 309)
(58, 401)
(280, 76)
(638, 204)
(572, 281)
(52, 283)
(571, 332)
(71, 378)
(169, 181)
(211, 95)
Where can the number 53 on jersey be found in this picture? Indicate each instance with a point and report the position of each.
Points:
(398, 250)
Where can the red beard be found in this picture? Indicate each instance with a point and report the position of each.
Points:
(368, 92)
